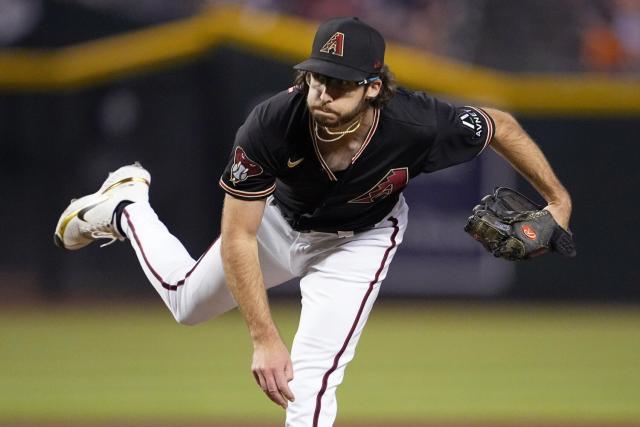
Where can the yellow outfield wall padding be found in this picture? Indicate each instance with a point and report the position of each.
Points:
(289, 39)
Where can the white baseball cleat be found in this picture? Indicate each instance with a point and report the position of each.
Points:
(92, 217)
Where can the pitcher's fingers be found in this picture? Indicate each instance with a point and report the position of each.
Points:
(257, 378)
(274, 391)
(283, 386)
(262, 383)
(288, 370)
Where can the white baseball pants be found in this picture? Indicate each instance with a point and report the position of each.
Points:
(340, 279)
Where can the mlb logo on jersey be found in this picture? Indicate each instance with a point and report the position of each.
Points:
(335, 45)
(243, 167)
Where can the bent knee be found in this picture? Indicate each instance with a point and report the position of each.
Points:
(189, 312)
(188, 319)
(194, 317)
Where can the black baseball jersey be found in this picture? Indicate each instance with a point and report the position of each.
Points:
(276, 152)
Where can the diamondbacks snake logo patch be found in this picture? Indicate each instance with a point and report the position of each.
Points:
(243, 167)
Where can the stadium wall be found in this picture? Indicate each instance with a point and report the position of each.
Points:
(173, 96)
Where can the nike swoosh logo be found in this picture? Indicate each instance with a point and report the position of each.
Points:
(86, 209)
(295, 163)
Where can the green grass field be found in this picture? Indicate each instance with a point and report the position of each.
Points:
(101, 363)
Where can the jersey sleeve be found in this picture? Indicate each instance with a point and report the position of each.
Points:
(461, 134)
(249, 174)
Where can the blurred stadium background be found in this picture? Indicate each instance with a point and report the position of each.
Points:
(457, 338)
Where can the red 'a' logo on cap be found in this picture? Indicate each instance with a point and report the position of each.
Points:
(335, 45)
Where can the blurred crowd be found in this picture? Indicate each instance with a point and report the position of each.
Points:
(523, 35)
(520, 36)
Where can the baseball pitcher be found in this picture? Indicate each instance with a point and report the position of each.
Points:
(314, 191)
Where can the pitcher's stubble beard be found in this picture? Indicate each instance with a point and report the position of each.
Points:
(342, 119)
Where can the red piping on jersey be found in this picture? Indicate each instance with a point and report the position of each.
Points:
(247, 194)
(164, 284)
(376, 117)
(325, 378)
(368, 138)
(324, 165)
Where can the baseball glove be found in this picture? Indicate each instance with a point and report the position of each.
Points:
(511, 226)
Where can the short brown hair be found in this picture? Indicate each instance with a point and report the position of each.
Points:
(387, 91)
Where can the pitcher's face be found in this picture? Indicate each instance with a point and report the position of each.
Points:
(333, 102)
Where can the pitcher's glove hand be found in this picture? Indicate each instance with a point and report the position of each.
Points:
(511, 226)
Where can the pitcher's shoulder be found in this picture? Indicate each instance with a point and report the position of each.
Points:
(412, 108)
(279, 108)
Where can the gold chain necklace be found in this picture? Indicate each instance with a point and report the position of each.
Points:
(351, 129)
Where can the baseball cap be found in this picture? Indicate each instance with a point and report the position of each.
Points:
(345, 49)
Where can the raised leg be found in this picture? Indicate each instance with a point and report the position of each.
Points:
(193, 290)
